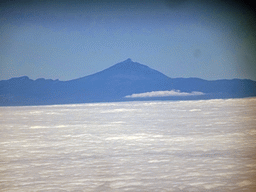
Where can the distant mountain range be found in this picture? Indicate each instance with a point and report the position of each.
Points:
(124, 81)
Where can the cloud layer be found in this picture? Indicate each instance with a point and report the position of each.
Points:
(164, 94)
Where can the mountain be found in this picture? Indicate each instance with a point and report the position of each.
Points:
(124, 81)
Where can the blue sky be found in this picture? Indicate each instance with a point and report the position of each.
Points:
(70, 39)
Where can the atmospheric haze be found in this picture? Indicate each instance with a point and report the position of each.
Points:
(130, 146)
(68, 39)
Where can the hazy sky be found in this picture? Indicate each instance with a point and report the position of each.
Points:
(65, 40)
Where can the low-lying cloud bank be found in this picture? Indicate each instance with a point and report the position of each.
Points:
(164, 94)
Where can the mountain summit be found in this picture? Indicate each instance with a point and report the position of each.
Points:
(129, 70)
(123, 81)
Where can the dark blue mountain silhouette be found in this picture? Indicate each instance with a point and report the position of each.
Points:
(114, 84)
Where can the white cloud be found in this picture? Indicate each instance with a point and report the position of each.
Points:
(164, 94)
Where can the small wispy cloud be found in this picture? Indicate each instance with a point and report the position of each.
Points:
(164, 94)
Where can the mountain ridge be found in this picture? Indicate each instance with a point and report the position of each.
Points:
(115, 84)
